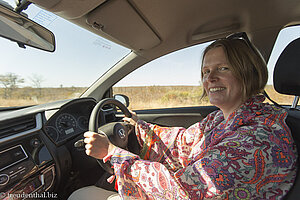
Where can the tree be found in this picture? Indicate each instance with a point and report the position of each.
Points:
(10, 81)
(36, 81)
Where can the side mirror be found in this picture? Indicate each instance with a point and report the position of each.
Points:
(122, 98)
(20, 29)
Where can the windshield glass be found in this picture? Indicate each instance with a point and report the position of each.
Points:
(31, 76)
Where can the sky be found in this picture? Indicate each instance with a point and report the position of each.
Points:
(79, 59)
(82, 57)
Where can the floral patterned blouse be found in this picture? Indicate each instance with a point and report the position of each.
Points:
(251, 155)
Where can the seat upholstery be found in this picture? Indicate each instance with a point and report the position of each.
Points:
(287, 81)
(286, 76)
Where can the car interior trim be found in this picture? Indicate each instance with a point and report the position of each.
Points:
(52, 171)
(123, 24)
(38, 118)
(11, 164)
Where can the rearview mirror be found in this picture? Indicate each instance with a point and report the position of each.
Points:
(20, 29)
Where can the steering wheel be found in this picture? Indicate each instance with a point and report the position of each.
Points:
(117, 132)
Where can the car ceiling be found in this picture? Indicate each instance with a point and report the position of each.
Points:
(155, 27)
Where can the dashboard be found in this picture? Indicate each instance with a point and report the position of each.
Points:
(37, 151)
(27, 165)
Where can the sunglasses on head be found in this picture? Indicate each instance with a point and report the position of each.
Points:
(241, 36)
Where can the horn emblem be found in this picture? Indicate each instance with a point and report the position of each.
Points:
(121, 133)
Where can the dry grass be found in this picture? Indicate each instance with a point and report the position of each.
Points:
(162, 96)
(140, 97)
(279, 98)
(32, 96)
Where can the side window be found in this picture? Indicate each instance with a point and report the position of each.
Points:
(169, 81)
(285, 36)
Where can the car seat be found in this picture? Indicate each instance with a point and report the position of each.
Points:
(286, 79)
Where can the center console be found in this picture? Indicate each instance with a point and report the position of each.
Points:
(26, 167)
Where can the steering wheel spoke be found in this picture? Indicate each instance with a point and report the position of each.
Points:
(117, 133)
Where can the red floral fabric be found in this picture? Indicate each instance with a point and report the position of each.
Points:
(250, 155)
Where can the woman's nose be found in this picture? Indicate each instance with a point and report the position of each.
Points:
(212, 76)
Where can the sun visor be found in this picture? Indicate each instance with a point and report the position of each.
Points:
(119, 20)
(216, 28)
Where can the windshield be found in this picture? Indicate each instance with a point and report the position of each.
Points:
(31, 76)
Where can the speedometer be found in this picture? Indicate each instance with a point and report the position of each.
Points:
(66, 124)
(83, 123)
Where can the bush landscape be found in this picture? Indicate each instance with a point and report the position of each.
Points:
(140, 97)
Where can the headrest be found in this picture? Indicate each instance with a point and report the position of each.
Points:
(286, 76)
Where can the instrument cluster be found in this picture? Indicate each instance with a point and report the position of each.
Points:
(69, 121)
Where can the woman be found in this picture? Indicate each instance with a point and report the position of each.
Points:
(242, 151)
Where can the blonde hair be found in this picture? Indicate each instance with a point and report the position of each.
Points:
(248, 65)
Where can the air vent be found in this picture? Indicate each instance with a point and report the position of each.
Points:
(16, 126)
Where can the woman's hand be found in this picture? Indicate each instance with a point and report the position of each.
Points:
(133, 119)
(97, 145)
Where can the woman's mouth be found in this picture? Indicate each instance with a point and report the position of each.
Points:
(216, 89)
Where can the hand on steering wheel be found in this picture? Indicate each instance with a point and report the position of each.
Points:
(131, 120)
(97, 145)
(100, 140)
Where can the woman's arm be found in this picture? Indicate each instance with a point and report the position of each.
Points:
(171, 146)
(168, 145)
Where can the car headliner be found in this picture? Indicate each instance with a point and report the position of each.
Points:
(152, 28)
(155, 27)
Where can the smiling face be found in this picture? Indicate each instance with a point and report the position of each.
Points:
(224, 90)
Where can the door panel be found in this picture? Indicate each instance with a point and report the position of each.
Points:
(180, 117)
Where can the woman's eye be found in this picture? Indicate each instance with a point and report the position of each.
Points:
(205, 72)
(223, 68)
